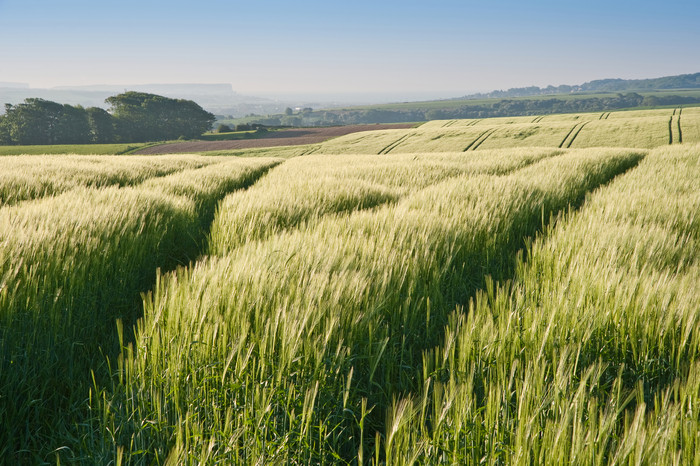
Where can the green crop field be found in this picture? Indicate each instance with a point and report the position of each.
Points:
(496, 291)
(85, 149)
(639, 128)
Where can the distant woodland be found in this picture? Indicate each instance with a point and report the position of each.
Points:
(132, 117)
(478, 109)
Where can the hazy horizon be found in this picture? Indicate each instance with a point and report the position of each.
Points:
(315, 49)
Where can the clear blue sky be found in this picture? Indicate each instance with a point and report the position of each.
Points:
(360, 46)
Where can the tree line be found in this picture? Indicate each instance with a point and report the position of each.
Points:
(132, 117)
(490, 109)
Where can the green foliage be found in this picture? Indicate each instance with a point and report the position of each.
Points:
(136, 117)
(38, 121)
(102, 125)
(468, 108)
(148, 117)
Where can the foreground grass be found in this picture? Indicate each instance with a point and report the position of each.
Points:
(293, 348)
(304, 190)
(32, 177)
(591, 356)
(73, 264)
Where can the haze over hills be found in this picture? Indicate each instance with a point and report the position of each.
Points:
(216, 98)
(221, 99)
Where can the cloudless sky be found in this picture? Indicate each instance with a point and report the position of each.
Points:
(305, 46)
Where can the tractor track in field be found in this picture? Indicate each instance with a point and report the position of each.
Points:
(679, 137)
(670, 129)
(395, 144)
(575, 135)
(573, 132)
(289, 137)
(480, 139)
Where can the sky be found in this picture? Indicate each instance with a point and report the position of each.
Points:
(448, 48)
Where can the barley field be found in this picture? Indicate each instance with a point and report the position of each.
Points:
(638, 128)
(498, 291)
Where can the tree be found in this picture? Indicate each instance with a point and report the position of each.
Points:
(4, 132)
(101, 123)
(288, 111)
(39, 121)
(73, 126)
(148, 117)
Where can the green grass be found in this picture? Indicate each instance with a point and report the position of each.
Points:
(72, 265)
(296, 345)
(84, 149)
(291, 197)
(36, 176)
(591, 356)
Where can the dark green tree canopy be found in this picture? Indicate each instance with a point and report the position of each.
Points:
(148, 117)
(39, 121)
(134, 117)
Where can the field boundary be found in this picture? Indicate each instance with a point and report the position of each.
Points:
(289, 137)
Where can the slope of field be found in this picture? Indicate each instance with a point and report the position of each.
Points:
(642, 129)
(689, 119)
(290, 137)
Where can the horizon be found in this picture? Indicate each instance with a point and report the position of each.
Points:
(315, 49)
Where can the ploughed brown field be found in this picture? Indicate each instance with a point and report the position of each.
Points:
(290, 137)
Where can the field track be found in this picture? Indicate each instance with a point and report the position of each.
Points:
(290, 137)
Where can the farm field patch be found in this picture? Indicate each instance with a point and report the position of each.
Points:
(642, 129)
(30, 177)
(463, 292)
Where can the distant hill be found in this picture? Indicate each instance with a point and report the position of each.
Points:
(682, 81)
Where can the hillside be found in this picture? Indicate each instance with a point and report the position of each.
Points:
(682, 81)
(597, 96)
